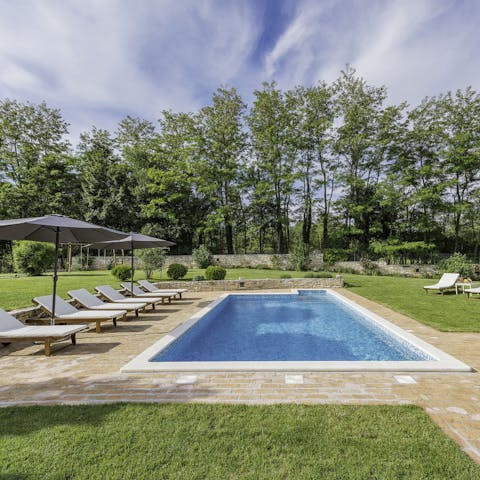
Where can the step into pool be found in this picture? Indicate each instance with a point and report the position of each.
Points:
(301, 330)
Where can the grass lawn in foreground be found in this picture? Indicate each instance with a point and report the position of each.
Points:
(155, 441)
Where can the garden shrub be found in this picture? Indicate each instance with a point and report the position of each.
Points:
(334, 255)
(299, 257)
(122, 272)
(152, 259)
(369, 267)
(457, 263)
(203, 258)
(198, 278)
(176, 271)
(285, 275)
(215, 273)
(33, 258)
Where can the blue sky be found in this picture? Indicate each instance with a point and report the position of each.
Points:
(100, 60)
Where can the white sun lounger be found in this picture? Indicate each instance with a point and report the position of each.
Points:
(108, 292)
(447, 281)
(13, 330)
(471, 291)
(137, 292)
(66, 313)
(151, 288)
(90, 301)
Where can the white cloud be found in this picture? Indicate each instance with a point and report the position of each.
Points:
(102, 60)
(414, 47)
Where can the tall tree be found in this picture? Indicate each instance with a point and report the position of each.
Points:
(422, 171)
(35, 168)
(173, 208)
(317, 167)
(361, 142)
(221, 148)
(460, 123)
(107, 184)
(272, 130)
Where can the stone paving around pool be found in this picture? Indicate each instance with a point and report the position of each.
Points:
(89, 373)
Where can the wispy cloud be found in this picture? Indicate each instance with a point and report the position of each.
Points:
(99, 61)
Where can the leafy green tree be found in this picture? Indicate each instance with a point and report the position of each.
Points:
(152, 259)
(422, 172)
(363, 142)
(271, 123)
(173, 208)
(317, 168)
(460, 123)
(107, 184)
(221, 148)
(36, 172)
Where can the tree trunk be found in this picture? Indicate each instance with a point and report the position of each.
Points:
(229, 238)
(307, 214)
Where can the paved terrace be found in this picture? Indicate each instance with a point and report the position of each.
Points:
(89, 373)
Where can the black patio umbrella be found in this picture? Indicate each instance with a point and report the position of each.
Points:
(133, 241)
(55, 229)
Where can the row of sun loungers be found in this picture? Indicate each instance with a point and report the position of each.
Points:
(74, 320)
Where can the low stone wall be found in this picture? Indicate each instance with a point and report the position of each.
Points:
(384, 269)
(253, 260)
(250, 284)
(249, 260)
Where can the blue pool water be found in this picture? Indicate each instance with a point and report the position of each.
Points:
(310, 326)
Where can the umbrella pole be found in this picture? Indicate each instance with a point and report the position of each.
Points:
(57, 235)
(131, 283)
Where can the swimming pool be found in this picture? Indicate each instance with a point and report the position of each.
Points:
(305, 329)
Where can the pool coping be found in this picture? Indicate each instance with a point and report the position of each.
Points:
(443, 363)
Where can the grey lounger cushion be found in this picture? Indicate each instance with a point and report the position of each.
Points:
(65, 311)
(88, 300)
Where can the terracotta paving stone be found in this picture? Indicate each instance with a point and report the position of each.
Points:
(90, 373)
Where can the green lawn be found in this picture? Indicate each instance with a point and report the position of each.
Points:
(17, 292)
(154, 441)
(449, 312)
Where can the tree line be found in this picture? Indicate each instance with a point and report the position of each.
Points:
(329, 166)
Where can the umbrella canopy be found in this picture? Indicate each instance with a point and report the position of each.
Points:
(45, 229)
(133, 241)
(55, 229)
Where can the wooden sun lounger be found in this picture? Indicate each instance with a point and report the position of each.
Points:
(108, 292)
(90, 301)
(68, 314)
(136, 292)
(13, 330)
(151, 288)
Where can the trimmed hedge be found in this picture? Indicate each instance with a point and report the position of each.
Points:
(176, 271)
(215, 273)
(122, 272)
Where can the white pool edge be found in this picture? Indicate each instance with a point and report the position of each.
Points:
(443, 363)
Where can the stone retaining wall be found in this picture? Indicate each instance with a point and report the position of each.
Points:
(251, 284)
(384, 269)
(254, 260)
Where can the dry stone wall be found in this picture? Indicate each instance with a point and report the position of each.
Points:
(251, 284)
